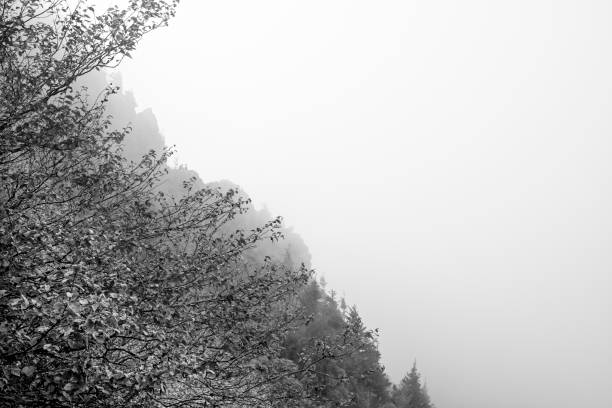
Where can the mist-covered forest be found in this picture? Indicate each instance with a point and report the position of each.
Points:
(129, 282)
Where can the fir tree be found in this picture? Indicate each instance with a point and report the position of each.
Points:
(410, 394)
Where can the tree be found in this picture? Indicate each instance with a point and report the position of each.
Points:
(115, 293)
(326, 331)
(354, 377)
(367, 378)
(64, 191)
(410, 394)
(426, 399)
(45, 45)
(111, 292)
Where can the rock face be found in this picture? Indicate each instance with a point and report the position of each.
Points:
(146, 136)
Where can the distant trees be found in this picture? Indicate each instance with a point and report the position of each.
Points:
(367, 379)
(114, 292)
(352, 379)
(410, 393)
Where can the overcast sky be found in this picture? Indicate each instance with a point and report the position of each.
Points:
(447, 163)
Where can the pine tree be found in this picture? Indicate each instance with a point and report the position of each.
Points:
(410, 394)
(426, 398)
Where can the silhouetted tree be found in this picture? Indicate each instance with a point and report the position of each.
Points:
(410, 394)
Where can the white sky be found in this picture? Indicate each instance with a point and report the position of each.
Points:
(447, 163)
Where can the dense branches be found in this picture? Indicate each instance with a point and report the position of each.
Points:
(112, 293)
(115, 293)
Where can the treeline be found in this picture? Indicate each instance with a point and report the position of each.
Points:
(126, 282)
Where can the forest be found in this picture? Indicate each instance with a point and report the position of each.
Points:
(128, 282)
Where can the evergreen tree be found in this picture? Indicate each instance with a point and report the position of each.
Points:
(410, 393)
(368, 382)
(354, 378)
(426, 397)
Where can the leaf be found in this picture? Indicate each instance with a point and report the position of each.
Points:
(69, 387)
(28, 370)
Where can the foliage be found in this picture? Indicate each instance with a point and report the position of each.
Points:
(119, 285)
(410, 393)
(145, 136)
(353, 379)
(45, 45)
(111, 292)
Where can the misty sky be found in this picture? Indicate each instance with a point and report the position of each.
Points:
(447, 163)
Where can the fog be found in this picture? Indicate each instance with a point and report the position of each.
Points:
(447, 164)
